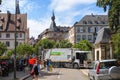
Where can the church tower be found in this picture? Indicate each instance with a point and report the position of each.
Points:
(53, 26)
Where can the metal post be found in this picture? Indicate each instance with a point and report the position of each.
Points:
(15, 41)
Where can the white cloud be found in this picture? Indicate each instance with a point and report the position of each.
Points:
(25, 6)
(62, 5)
(65, 12)
(38, 26)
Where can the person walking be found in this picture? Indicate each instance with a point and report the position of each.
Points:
(36, 71)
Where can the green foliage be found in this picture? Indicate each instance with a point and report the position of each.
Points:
(23, 49)
(83, 45)
(3, 48)
(63, 44)
(113, 7)
(116, 43)
(9, 53)
(47, 44)
(44, 44)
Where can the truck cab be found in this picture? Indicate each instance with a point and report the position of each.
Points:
(81, 59)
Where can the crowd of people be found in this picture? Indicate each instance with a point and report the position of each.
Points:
(33, 64)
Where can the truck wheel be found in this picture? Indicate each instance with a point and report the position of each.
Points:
(75, 66)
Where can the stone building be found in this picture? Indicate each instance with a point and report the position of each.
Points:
(102, 45)
(87, 28)
(7, 28)
(56, 33)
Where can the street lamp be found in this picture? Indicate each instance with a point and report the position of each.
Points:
(15, 40)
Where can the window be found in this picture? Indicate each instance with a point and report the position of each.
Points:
(89, 22)
(78, 29)
(102, 22)
(90, 37)
(0, 35)
(78, 37)
(20, 35)
(90, 29)
(7, 35)
(84, 22)
(1, 27)
(96, 22)
(82, 29)
(97, 29)
(7, 43)
(83, 37)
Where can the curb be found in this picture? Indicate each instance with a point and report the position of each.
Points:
(25, 77)
(85, 71)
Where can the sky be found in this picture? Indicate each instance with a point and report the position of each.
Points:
(39, 12)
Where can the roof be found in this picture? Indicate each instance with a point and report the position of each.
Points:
(103, 35)
(93, 20)
(7, 22)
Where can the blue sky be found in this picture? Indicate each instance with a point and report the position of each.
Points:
(39, 12)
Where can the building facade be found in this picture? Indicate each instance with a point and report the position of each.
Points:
(8, 23)
(102, 45)
(56, 33)
(87, 28)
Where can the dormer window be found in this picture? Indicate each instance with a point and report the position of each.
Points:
(102, 22)
(2, 19)
(96, 22)
(89, 22)
(84, 22)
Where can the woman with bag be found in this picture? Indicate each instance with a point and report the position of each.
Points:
(35, 71)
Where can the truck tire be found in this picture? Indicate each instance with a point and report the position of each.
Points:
(75, 66)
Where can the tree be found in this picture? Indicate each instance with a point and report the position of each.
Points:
(44, 44)
(63, 44)
(23, 49)
(3, 48)
(116, 43)
(83, 45)
(9, 53)
(113, 7)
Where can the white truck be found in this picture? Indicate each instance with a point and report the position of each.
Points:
(68, 57)
(81, 59)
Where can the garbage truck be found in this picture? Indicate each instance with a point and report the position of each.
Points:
(68, 57)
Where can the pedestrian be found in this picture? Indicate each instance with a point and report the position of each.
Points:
(44, 63)
(48, 64)
(36, 71)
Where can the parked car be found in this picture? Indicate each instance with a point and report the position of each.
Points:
(104, 69)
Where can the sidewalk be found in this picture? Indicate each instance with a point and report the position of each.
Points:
(85, 71)
(19, 74)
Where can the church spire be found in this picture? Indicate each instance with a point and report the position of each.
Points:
(53, 26)
(17, 7)
(53, 16)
